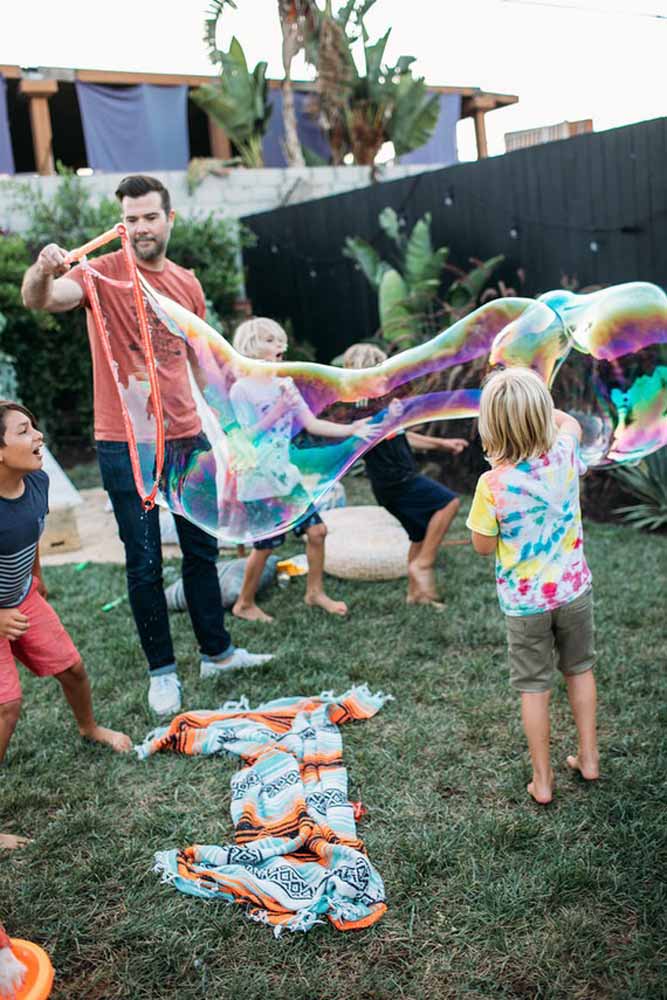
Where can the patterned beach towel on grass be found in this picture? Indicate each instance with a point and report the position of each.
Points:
(296, 860)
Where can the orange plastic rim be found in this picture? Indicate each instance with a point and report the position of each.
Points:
(39, 979)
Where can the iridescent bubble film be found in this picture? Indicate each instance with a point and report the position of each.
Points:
(266, 441)
(614, 381)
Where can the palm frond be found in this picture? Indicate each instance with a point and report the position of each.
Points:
(213, 15)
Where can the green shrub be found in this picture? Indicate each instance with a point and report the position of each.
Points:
(648, 482)
(50, 352)
(8, 384)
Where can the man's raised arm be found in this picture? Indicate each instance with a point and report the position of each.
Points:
(43, 285)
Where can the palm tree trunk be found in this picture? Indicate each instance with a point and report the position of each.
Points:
(293, 152)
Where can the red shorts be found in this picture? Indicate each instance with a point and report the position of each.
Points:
(45, 648)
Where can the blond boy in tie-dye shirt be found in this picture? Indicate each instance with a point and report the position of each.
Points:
(526, 511)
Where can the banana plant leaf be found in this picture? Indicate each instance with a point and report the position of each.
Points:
(391, 225)
(239, 101)
(395, 317)
(366, 258)
(423, 264)
(415, 115)
(374, 55)
(468, 289)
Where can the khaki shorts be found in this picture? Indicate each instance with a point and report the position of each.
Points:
(539, 643)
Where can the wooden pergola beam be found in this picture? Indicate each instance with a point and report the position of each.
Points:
(476, 107)
(130, 79)
(38, 93)
(475, 103)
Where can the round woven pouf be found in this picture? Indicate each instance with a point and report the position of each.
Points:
(365, 543)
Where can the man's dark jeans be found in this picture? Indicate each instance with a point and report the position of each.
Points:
(140, 533)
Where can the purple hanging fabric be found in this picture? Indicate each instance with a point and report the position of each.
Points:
(134, 129)
(441, 147)
(6, 153)
(311, 135)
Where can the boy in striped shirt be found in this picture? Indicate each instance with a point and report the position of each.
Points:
(30, 630)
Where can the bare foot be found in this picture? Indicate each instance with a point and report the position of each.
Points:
(321, 600)
(421, 583)
(430, 599)
(250, 612)
(541, 791)
(117, 741)
(588, 767)
(8, 842)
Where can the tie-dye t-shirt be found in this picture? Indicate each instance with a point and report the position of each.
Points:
(533, 508)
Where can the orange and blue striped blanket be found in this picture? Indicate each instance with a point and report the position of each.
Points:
(296, 860)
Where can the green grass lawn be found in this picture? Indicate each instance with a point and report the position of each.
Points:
(489, 895)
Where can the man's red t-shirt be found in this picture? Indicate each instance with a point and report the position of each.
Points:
(180, 414)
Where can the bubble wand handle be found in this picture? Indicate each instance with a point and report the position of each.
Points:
(76, 255)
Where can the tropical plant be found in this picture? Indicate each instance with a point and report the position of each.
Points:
(297, 19)
(359, 111)
(410, 303)
(648, 482)
(239, 102)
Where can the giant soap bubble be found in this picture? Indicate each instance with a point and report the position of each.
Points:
(257, 455)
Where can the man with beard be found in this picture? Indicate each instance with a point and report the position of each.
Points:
(49, 284)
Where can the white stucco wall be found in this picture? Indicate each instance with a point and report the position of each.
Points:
(240, 192)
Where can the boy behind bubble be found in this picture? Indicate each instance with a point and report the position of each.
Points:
(526, 510)
(271, 407)
(424, 507)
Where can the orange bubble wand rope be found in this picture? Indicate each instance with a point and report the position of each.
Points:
(120, 231)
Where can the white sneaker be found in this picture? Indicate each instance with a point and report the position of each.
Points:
(239, 660)
(164, 694)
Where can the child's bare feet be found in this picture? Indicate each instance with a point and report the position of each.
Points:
(319, 599)
(8, 842)
(587, 765)
(117, 741)
(421, 584)
(541, 791)
(419, 598)
(250, 612)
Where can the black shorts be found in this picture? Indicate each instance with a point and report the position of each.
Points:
(414, 503)
(306, 521)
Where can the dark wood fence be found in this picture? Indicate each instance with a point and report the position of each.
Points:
(591, 209)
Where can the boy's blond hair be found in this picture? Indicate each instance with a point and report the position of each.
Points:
(516, 416)
(363, 356)
(252, 333)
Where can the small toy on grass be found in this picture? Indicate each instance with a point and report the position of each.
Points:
(110, 605)
(296, 566)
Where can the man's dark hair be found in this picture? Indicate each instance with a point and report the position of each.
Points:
(137, 185)
(5, 406)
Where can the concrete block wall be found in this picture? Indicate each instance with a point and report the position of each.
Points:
(238, 193)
